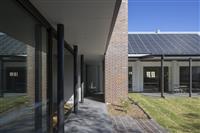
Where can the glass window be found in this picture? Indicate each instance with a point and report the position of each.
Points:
(150, 74)
(184, 78)
(22, 71)
(196, 79)
(152, 77)
(68, 80)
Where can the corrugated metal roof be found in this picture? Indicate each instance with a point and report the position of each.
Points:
(164, 44)
(11, 46)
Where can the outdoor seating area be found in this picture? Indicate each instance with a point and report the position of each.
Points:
(181, 89)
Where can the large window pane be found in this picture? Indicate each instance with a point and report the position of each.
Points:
(22, 71)
(17, 85)
(185, 77)
(68, 81)
(152, 78)
(196, 79)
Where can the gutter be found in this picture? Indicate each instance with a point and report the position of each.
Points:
(166, 58)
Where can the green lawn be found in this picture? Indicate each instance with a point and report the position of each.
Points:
(7, 103)
(177, 114)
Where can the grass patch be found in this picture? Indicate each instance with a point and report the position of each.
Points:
(7, 103)
(177, 114)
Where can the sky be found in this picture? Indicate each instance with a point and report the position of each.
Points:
(166, 15)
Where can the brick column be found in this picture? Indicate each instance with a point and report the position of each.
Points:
(116, 59)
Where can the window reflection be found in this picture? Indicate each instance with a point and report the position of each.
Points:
(15, 103)
(18, 106)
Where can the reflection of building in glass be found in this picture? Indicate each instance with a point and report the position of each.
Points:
(13, 65)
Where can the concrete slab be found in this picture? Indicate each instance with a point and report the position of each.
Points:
(91, 118)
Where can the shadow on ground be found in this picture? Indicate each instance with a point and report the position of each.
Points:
(91, 118)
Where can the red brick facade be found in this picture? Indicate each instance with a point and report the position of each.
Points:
(116, 59)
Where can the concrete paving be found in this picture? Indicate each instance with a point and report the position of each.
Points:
(92, 117)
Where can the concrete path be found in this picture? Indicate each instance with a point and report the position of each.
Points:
(91, 118)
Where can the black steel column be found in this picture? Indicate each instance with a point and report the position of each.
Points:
(82, 78)
(162, 76)
(190, 71)
(60, 78)
(50, 82)
(75, 79)
(38, 79)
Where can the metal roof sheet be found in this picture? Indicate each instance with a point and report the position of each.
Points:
(10, 46)
(164, 44)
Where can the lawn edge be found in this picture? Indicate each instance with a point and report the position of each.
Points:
(133, 102)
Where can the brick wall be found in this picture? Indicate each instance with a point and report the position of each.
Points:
(116, 59)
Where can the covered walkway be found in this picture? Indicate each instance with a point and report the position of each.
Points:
(92, 117)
